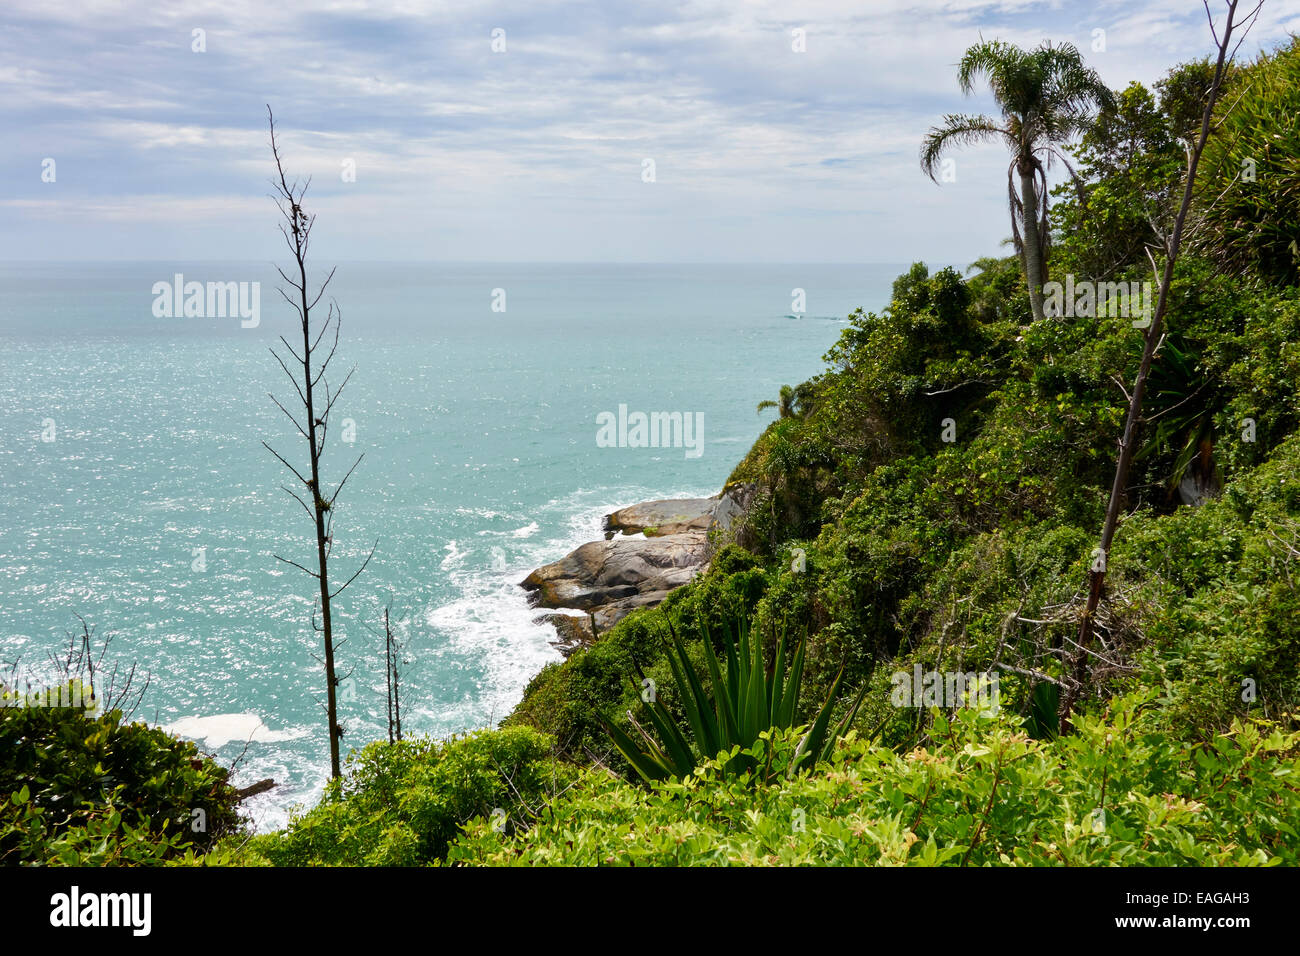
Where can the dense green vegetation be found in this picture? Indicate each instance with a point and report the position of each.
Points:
(84, 789)
(401, 804)
(1119, 792)
(928, 504)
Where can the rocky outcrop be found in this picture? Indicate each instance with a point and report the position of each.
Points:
(604, 572)
(649, 549)
(656, 518)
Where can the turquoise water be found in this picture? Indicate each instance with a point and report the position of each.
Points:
(481, 463)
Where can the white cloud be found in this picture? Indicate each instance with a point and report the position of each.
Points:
(761, 152)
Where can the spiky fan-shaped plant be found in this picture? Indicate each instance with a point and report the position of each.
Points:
(738, 706)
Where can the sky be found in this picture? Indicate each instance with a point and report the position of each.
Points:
(535, 151)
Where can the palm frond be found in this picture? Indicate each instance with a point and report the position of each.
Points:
(956, 130)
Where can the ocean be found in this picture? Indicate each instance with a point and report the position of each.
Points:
(136, 492)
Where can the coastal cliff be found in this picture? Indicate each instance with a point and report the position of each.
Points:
(649, 549)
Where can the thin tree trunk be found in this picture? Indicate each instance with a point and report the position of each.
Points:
(388, 667)
(1033, 241)
(319, 507)
(397, 683)
(297, 231)
(1128, 442)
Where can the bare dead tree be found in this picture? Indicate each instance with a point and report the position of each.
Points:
(388, 672)
(392, 657)
(1154, 338)
(309, 381)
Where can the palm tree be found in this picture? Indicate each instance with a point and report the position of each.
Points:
(1046, 96)
(794, 402)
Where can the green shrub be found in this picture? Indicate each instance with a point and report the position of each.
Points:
(401, 804)
(1118, 792)
(102, 791)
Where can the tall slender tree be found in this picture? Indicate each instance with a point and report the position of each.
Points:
(1128, 442)
(308, 377)
(1046, 95)
(392, 657)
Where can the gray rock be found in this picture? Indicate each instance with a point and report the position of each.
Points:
(731, 507)
(611, 578)
(655, 518)
(603, 572)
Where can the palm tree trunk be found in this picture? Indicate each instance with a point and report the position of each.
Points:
(1032, 247)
